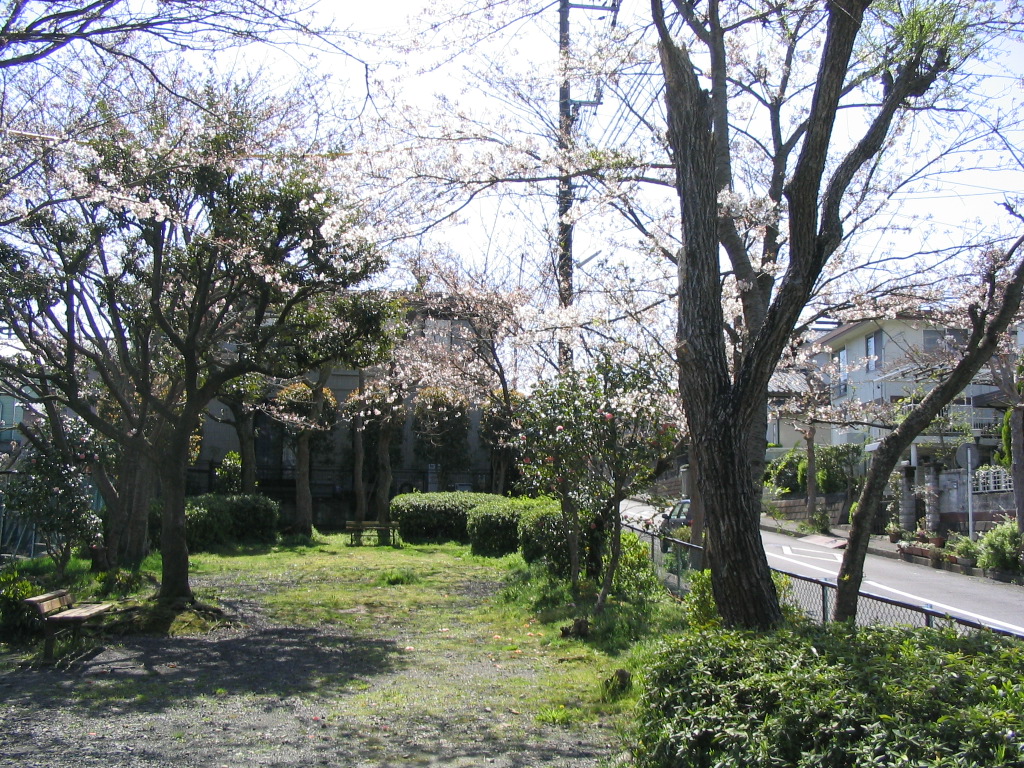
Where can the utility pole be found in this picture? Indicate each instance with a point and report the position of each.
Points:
(568, 108)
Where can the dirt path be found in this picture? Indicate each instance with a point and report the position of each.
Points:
(260, 694)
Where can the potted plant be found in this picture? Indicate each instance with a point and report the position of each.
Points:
(936, 555)
(894, 531)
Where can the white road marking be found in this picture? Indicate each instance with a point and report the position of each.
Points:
(916, 599)
(817, 554)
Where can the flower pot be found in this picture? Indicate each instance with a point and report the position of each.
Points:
(895, 536)
(938, 541)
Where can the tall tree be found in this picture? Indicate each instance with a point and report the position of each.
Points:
(193, 236)
(885, 61)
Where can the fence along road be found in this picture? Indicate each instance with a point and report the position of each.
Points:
(894, 592)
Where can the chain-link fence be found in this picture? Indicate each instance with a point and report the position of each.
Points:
(674, 559)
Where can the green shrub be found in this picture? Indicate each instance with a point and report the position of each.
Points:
(963, 546)
(207, 524)
(229, 473)
(542, 535)
(435, 516)
(493, 527)
(1001, 548)
(213, 520)
(833, 696)
(16, 619)
(635, 578)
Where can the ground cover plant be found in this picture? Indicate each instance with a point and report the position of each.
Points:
(834, 696)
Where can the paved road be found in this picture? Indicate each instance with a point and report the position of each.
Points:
(972, 597)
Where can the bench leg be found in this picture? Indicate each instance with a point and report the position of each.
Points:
(50, 634)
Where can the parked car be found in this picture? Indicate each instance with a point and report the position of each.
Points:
(677, 517)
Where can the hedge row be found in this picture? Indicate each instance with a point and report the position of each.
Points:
(435, 516)
(216, 520)
(492, 525)
(831, 696)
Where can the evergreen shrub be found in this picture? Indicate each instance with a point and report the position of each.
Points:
(214, 519)
(16, 619)
(493, 527)
(436, 516)
(542, 535)
(1002, 548)
(849, 697)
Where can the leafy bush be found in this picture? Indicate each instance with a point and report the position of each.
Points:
(831, 696)
(635, 578)
(16, 619)
(1002, 548)
(542, 535)
(963, 546)
(229, 473)
(493, 527)
(784, 472)
(213, 520)
(54, 493)
(435, 516)
(207, 525)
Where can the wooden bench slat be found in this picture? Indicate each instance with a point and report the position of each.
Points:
(58, 609)
(81, 612)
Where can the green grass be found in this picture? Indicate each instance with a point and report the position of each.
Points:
(438, 603)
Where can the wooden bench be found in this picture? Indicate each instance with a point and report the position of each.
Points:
(58, 612)
(355, 530)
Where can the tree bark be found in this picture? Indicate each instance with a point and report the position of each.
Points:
(382, 491)
(1017, 461)
(614, 555)
(174, 585)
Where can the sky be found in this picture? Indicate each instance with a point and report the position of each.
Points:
(496, 228)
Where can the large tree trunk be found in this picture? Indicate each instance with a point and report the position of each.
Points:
(1017, 461)
(740, 577)
(174, 586)
(382, 491)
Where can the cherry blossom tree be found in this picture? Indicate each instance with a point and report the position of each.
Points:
(192, 238)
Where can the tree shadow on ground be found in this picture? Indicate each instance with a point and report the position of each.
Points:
(151, 674)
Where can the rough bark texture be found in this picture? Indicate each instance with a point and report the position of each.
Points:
(382, 491)
(174, 581)
(725, 393)
(1017, 461)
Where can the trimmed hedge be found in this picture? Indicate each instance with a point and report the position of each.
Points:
(493, 526)
(213, 520)
(435, 516)
(833, 696)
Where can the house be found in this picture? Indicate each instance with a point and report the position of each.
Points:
(887, 365)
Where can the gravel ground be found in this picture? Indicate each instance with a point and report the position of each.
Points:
(259, 694)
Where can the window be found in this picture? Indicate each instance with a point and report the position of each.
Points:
(873, 351)
(841, 383)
